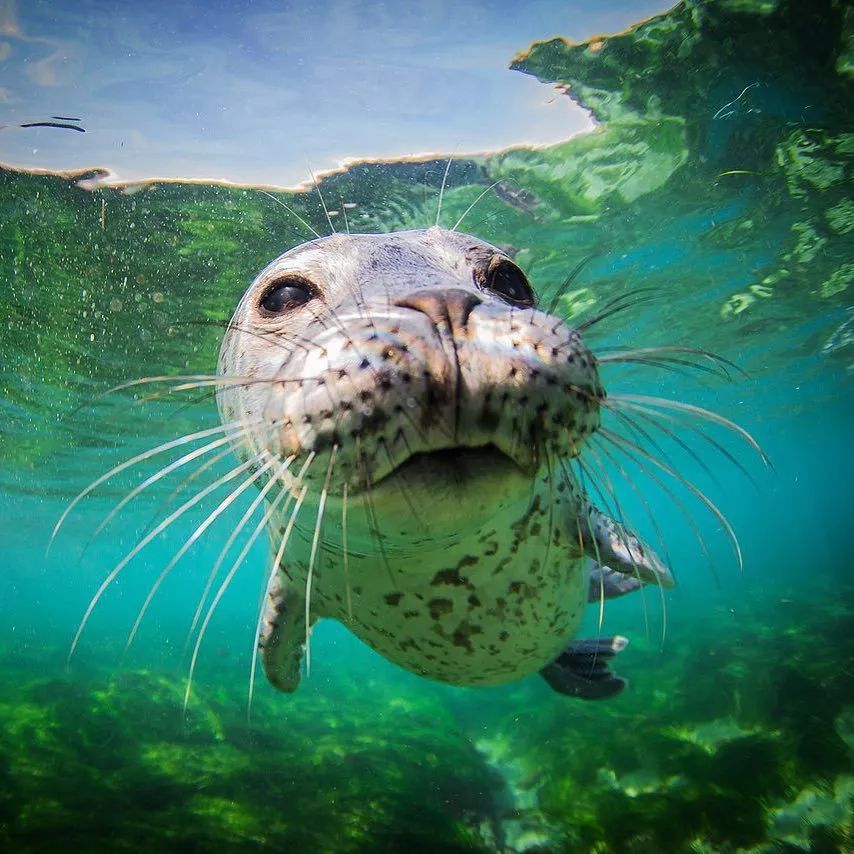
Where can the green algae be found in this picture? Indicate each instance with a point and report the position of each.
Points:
(749, 753)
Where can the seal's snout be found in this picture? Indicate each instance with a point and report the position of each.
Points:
(448, 308)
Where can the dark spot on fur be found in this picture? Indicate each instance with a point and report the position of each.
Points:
(450, 576)
(462, 635)
(438, 607)
(501, 564)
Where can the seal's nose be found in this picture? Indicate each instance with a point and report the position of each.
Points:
(448, 307)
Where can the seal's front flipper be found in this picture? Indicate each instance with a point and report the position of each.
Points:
(282, 634)
(606, 583)
(611, 545)
(582, 671)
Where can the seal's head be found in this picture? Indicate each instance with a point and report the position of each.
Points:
(419, 360)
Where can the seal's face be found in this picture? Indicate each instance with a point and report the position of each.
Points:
(418, 362)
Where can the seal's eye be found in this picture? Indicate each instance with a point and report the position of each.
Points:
(285, 295)
(508, 281)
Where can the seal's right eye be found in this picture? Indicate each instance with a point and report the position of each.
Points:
(285, 295)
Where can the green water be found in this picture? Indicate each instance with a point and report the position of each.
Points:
(737, 730)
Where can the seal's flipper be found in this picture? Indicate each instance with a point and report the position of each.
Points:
(606, 583)
(582, 671)
(282, 634)
(611, 545)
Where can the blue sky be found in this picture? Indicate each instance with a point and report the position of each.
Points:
(259, 91)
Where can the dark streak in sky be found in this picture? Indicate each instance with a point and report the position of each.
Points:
(53, 125)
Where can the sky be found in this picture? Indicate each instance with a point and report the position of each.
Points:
(261, 92)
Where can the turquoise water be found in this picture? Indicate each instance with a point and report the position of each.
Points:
(737, 730)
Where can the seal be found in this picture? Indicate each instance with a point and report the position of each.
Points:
(410, 416)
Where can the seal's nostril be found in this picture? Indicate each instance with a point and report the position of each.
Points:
(450, 306)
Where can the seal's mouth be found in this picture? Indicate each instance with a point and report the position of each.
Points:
(458, 466)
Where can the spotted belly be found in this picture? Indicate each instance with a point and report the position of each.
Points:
(471, 622)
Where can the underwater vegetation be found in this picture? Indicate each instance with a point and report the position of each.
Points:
(744, 745)
(719, 177)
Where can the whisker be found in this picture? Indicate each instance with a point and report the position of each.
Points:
(188, 543)
(345, 553)
(139, 458)
(699, 411)
(194, 475)
(292, 212)
(618, 304)
(677, 502)
(624, 442)
(625, 355)
(682, 367)
(322, 201)
(276, 562)
(620, 413)
(652, 416)
(226, 582)
(567, 282)
(113, 574)
(159, 475)
(661, 542)
(213, 379)
(623, 535)
(235, 533)
(468, 210)
(442, 189)
(321, 507)
(373, 525)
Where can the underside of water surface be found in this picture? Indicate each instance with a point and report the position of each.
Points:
(718, 180)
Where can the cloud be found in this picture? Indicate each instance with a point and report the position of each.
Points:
(9, 25)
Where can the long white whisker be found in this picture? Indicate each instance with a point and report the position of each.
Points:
(231, 538)
(226, 582)
(276, 561)
(202, 527)
(691, 409)
(187, 481)
(346, 218)
(345, 553)
(622, 442)
(111, 576)
(322, 201)
(442, 189)
(291, 211)
(139, 458)
(321, 506)
(159, 475)
(468, 210)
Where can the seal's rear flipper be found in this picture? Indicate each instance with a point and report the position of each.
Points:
(581, 670)
(282, 635)
(611, 545)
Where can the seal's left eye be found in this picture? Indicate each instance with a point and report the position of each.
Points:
(286, 295)
(508, 281)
